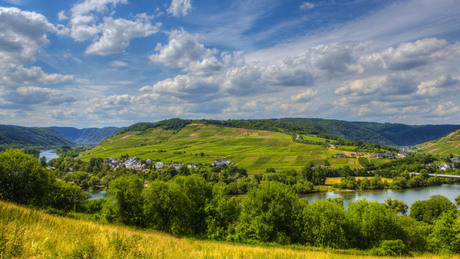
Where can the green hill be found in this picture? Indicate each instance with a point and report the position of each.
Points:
(192, 141)
(27, 136)
(449, 144)
(87, 136)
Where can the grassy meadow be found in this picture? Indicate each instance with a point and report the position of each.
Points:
(254, 150)
(28, 233)
(444, 146)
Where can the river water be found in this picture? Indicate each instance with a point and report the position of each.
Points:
(408, 196)
(96, 195)
(49, 154)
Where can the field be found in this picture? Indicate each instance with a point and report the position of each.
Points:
(444, 146)
(27, 233)
(254, 150)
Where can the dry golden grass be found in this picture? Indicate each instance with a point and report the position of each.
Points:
(32, 234)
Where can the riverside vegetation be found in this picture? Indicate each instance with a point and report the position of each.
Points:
(188, 204)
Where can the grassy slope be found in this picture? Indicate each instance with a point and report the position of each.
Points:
(449, 144)
(254, 150)
(27, 233)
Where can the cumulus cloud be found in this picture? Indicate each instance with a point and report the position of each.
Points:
(17, 75)
(116, 34)
(108, 35)
(182, 50)
(179, 7)
(23, 34)
(411, 55)
(31, 95)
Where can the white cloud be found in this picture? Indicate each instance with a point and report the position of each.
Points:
(447, 108)
(304, 96)
(31, 95)
(61, 15)
(109, 35)
(23, 34)
(179, 7)
(411, 55)
(307, 5)
(182, 50)
(17, 75)
(116, 34)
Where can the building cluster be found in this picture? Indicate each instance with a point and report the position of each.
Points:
(357, 154)
(138, 164)
(374, 155)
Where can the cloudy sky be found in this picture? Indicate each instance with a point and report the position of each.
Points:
(87, 63)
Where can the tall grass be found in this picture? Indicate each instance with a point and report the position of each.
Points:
(28, 233)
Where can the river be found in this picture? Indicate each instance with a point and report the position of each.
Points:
(408, 196)
(49, 154)
(96, 195)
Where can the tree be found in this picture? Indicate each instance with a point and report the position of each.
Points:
(222, 213)
(23, 179)
(198, 191)
(457, 201)
(127, 192)
(397, 205)
(270, 213)
(33, 151)
(43, 161)
(446, 233)
(65, 196)
(430, 210)
(372, 222)
(167, 208)
(324, 224)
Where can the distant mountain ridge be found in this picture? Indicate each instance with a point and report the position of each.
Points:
(390, 134)
(11, 135)
(86, 136)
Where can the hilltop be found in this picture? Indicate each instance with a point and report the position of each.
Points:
(449, 144)
(29, 136)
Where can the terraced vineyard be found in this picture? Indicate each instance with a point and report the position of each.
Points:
(450, 144)
(254, 150)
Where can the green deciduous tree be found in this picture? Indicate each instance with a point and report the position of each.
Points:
(270, 213)
(324, 224)
(167, 208)
(430, 210)
(127, 192)
(23, 179)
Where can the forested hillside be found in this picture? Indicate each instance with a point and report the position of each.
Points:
(26, 136)
(87, 136)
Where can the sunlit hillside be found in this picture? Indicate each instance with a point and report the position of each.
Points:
(449, 144)
(27, 233)
(254, 150)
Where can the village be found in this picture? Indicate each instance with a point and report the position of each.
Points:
(139, 164)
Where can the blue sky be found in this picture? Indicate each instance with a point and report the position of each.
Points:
(95, 63)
